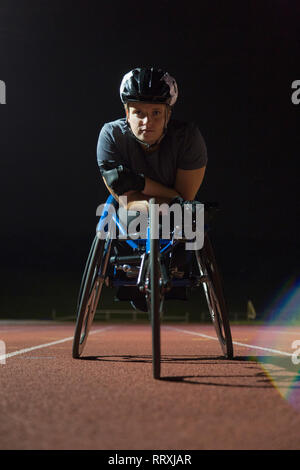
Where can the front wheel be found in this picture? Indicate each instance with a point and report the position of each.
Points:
(154, 274)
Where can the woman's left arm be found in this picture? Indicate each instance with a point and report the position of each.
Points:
(188, 182)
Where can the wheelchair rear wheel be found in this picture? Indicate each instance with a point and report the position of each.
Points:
(89, 292)
(85, 271)
(154, 294)
(215, 296)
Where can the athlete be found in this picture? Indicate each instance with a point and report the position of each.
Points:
(148, 154)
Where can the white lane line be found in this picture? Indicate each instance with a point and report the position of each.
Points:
(276, 332)
(46, 345)
(251, 346)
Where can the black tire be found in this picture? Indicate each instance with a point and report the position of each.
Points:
(154, 294)
(214, 293)
(89, 294)
(87, 264)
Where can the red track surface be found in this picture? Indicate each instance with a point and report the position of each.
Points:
(109, 400)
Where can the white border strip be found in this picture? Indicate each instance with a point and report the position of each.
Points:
(46, 345)
(251, 346)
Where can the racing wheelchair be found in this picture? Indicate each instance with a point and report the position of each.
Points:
(145, 268)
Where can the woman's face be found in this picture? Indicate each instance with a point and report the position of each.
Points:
(147, 120)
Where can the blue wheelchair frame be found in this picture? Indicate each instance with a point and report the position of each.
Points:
(150, 275)
(165, 245)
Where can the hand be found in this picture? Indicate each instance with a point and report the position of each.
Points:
(186, 206)
(191, 205)
(120, 179)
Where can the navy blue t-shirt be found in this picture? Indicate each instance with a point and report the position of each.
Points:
(182, 147)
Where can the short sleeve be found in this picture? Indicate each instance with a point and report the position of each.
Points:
(106, 147)
(193, 154)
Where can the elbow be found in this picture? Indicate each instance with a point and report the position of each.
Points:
(188, 195)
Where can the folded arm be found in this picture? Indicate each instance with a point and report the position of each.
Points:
(119, 181)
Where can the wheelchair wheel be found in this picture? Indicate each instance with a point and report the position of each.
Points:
(85, 271)
(154, 294)
(215, 296)
(90, 291)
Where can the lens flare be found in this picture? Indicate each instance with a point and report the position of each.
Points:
(281, 332)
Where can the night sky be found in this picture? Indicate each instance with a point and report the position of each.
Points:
(62, 63)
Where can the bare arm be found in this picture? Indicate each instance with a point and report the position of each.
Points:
(139, 200)
(188, 182)
(153, 188)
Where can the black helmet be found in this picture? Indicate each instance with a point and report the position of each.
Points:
(149, 85)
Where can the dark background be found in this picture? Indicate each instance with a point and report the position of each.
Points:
(62, 62)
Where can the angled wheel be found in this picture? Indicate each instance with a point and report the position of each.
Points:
(89, 293)
(87, 264)
(213, 289)
(154, 274)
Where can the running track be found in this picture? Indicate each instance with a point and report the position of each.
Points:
(109, 400)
